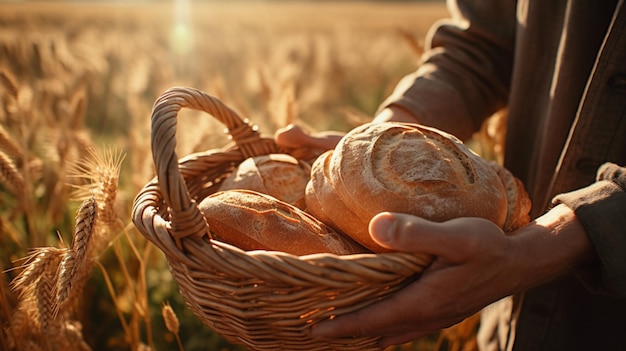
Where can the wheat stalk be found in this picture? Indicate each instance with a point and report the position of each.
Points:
(171, 323)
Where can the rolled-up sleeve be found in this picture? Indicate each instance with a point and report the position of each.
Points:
(466, 69)
(601, 209)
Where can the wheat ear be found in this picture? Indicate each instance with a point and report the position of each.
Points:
(65, 281)
(8, 144)
(9, 81)
(101, 171)
(76, 265)
(34, 267)
(44, 289)
(36, 285)
(171, 323)
(10, 175)
(85, 222)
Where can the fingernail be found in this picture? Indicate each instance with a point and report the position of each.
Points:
(383, 227)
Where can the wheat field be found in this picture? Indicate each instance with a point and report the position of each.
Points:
(77, 83)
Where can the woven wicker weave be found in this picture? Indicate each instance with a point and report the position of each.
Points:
(261, 299)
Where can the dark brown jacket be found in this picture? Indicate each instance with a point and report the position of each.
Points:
(559, 67)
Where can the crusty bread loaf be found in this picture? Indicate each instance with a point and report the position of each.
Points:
(279, 175)
(323, 202)
(411, 169)
(254, 221)
(518, 202)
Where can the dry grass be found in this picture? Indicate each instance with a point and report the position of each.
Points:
(77, 83)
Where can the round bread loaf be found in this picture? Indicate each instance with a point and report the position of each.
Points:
(411, 169)
(279, 175)
(323, 202)
(254, 221)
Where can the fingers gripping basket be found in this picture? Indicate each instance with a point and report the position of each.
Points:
(261, 299)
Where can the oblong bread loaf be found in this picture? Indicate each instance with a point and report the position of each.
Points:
(413, 169)
(254, 221)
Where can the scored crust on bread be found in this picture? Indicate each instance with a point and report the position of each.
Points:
(254, 221)
(279, 175)
(323, 202)
(409, 168)
(518, 202)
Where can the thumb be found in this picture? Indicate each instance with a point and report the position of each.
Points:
(291, 136)
(296, 136)
(408, 233)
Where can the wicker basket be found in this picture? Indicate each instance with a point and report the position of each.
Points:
(263, 300)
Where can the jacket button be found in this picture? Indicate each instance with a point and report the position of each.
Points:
(618, 82)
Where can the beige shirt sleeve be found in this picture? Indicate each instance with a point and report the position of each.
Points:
(466, 69)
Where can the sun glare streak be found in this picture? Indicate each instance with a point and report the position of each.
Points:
(181, 35)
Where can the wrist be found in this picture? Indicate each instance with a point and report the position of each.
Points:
(549, 247)
(395, 113)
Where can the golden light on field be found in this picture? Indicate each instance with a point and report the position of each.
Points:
(81, 75)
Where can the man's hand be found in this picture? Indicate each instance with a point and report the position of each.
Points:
(475, 264)
(469, 254)
(305, 144)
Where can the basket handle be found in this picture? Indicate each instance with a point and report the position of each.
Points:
(186, 218)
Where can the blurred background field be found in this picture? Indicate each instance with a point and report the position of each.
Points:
(77, 83)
